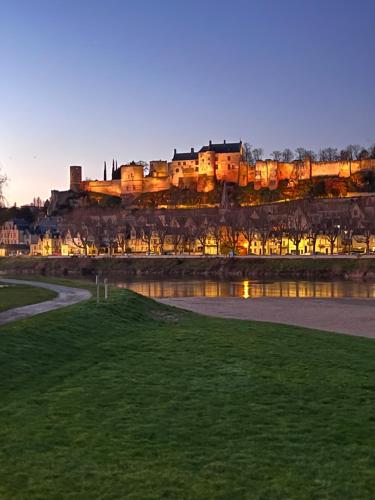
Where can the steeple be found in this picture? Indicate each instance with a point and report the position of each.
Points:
(105, 171)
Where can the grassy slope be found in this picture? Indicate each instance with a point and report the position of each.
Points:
(21, 295)
(136, 400)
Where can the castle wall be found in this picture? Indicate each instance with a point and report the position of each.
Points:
(154, 184)
(159, 168)
(184, 169)
(111, 188)
(227, 167)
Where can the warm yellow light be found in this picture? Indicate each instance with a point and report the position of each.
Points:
(246, 289)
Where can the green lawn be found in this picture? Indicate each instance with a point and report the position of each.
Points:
(22, 295)
(131, 399)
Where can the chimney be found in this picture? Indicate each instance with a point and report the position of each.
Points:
(175, 150)
(210, 143)
(225, 141)
(192, 150)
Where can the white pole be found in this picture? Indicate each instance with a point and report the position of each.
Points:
(105, 288)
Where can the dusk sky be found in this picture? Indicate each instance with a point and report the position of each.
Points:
(83, 81)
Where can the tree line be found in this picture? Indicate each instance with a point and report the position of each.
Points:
(350, 153)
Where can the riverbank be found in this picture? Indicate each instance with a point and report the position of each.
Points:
(349, 316)
(336, 267)
(134, 398)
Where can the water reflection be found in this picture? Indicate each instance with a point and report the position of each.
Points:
(251, 289)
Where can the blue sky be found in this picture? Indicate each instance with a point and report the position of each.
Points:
(83, 81)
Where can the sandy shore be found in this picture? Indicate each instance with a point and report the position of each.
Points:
(349, 316)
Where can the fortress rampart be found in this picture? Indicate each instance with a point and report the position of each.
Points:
(202, 170)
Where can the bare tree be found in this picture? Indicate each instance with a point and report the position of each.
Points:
(247, 228)
(366, 231)
(257, 154)
(217, 231)
(3, 181)
(353, 151)
(328, 154)
(264, 227)
(247, 154)
(161, 231)
(296, 226)
(232, 231)
(331, 228)
(287, 155)
(123, 235)
(302, 154)
(202, 231)
(277, 155)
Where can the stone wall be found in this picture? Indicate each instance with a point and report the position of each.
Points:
(268, 173)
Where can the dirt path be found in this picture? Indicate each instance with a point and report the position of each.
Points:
(66, 297)
(349, 316)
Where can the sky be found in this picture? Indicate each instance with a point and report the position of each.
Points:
(83, 81)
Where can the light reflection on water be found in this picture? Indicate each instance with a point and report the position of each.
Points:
(251, 289)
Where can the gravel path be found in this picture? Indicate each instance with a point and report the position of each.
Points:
(66, 297)
(349, 316)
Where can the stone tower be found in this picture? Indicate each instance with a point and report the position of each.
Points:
(75, 178)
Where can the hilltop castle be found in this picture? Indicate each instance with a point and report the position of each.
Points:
(201, 170)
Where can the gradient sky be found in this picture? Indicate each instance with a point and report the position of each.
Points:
(83, 81)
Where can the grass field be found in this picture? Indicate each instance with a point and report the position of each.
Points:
(131, 399)
(22, 295)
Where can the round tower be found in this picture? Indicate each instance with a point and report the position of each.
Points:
(75, 178)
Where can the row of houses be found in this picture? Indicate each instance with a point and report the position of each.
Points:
(307, 226)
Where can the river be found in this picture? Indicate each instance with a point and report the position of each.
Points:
(250, 289)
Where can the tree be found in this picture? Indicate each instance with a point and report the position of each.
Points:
(328, 154)
(277, 155)
(247, 154)
(202, 230)
(161, 231)
(303, 154)
(232, 231)
(296, 227)
(257, 154)
(264, 226)
(123, 235)
(145, 229)
(287, 155)
(349, 225)
(217, 231)
(353, 151)
(79, 224)
(247, 228)
(331, 228)
(3, 181)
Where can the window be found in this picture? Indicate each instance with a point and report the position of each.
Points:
(196, 162)
(177, 170)
(196, 169)
(228, 158)
(228, 167)
(179, 163)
